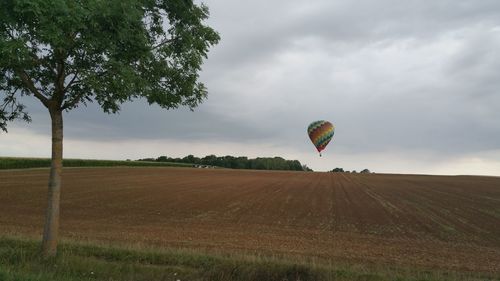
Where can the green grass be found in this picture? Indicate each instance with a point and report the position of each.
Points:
(20, 261)
(24, 163)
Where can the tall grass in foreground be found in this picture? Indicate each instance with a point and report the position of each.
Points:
(20, 261)
(24, 163)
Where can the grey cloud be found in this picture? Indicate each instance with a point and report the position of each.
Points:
(258, 29)
(139, 121)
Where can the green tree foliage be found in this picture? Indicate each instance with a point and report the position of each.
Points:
(340, 170)
(307, 169)
(260, 163)
(69, 53)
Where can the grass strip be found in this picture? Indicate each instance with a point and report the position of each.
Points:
(20, 261)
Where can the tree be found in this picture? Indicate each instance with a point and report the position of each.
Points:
(189, 159)
(162, 159)
(69, 53)
(306, 169)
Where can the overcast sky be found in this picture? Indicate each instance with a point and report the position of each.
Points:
(411, 87)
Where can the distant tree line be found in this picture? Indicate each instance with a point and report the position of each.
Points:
(340, 170)
(241, 162)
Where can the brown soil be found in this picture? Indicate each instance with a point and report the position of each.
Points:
(449, 223)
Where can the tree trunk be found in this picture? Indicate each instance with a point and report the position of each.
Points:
(51, 229)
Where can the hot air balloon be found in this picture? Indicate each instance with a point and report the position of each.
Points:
(321, 133)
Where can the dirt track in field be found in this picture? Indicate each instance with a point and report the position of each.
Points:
(450, 223)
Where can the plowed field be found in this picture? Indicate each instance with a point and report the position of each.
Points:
(450, 223)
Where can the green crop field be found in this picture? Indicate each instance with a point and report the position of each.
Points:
(24, 163)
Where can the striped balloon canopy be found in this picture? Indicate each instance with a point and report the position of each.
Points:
(321, 133)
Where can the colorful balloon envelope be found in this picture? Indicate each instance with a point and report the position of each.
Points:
(321, 133)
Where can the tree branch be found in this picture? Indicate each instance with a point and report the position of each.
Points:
(163, 43)
(70, 104)
(78, 98)
(59, 83)
(9, 99)
(71, 81)
(37, 60)
(29, 84)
